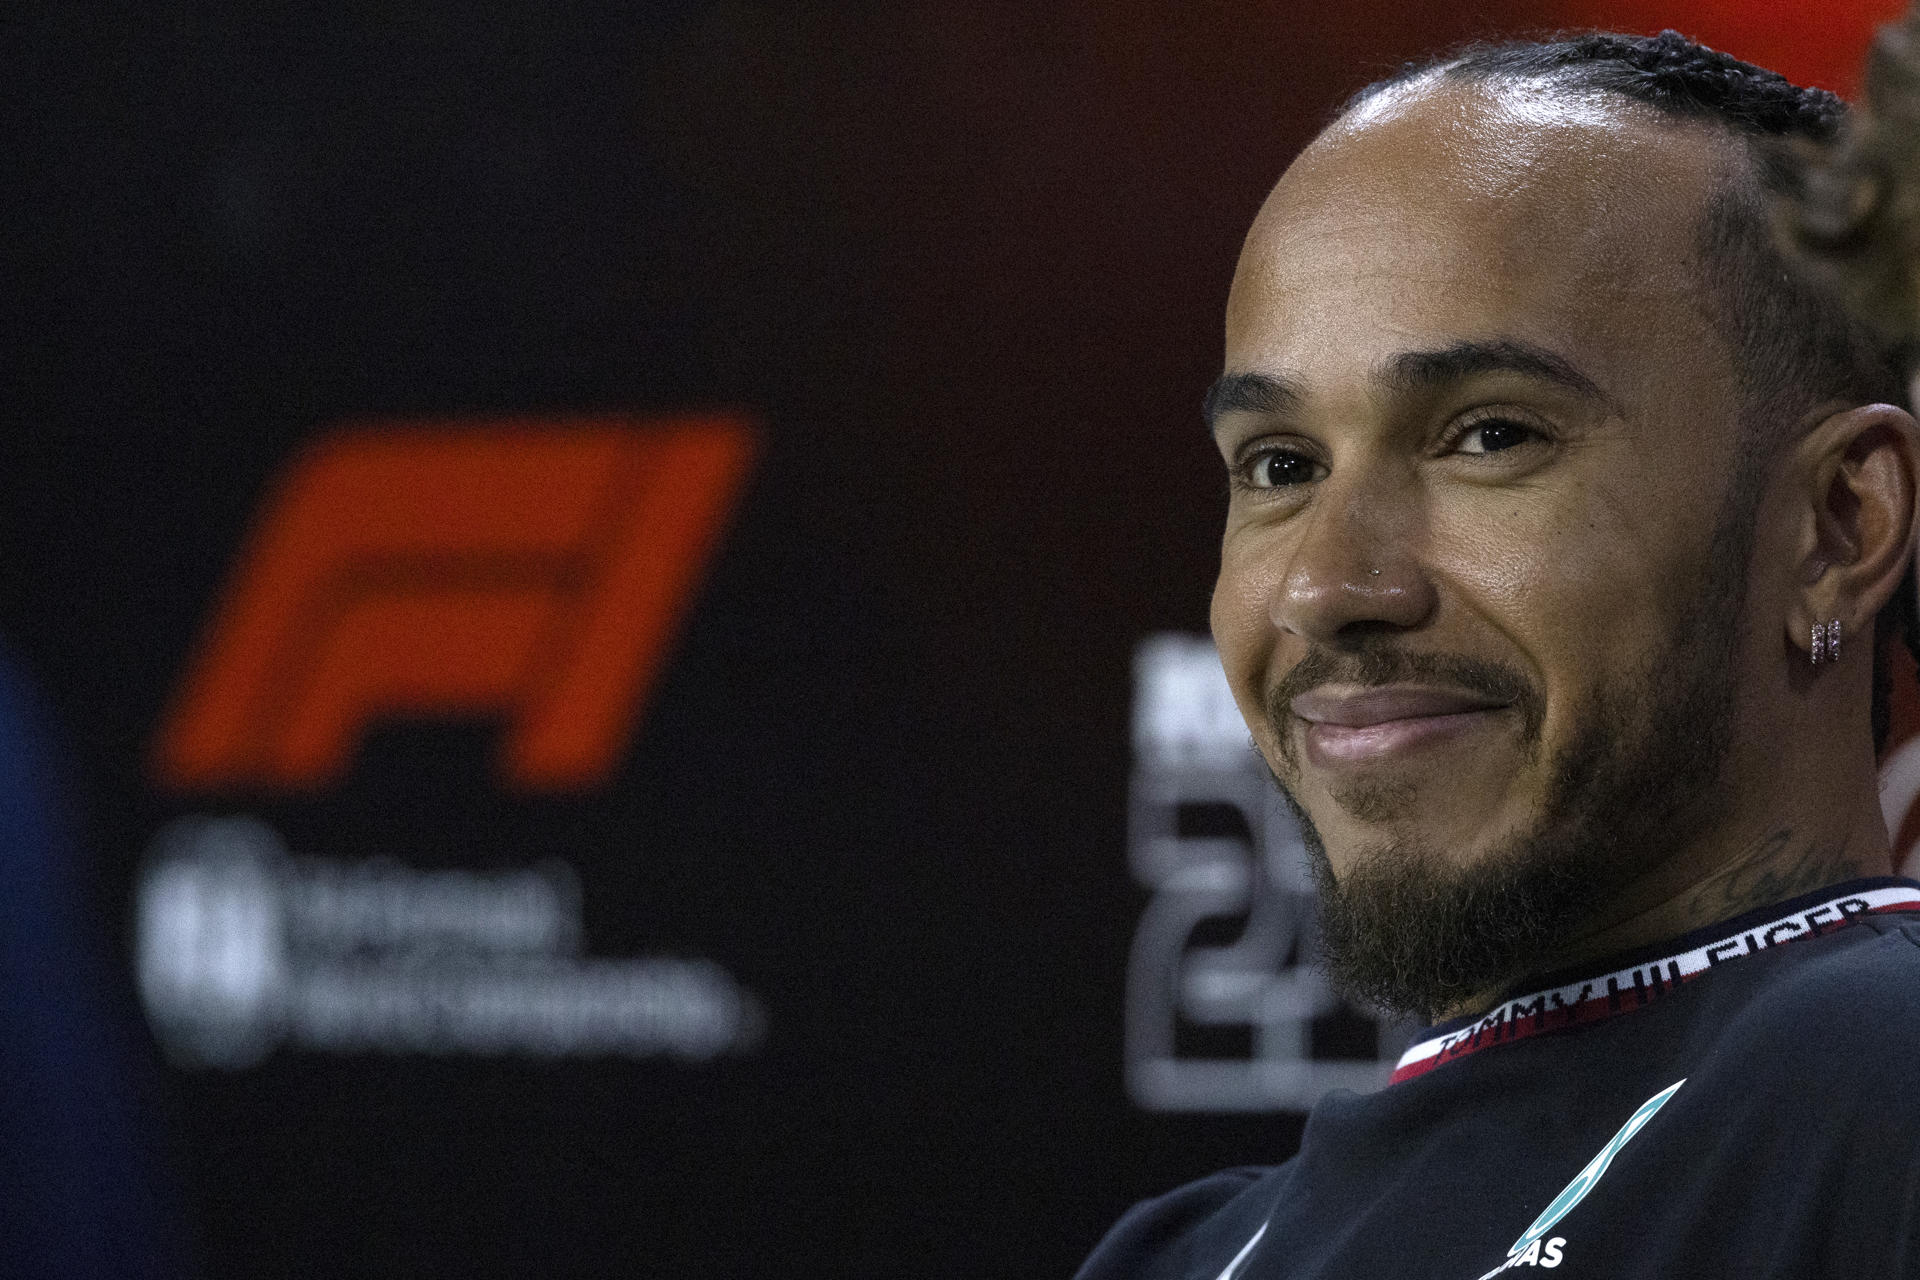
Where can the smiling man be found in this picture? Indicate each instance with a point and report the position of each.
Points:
(1565, 553)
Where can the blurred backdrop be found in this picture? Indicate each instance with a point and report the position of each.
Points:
(604, 622)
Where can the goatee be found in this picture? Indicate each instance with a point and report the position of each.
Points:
(1408, 930)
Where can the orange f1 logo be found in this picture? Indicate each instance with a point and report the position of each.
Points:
(533, 571)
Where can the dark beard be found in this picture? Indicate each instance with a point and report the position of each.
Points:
(1409, 932)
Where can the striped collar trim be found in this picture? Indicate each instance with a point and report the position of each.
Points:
(1638, 985)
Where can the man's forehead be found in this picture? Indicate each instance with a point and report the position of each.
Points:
(1498, 139)
(1444, 210)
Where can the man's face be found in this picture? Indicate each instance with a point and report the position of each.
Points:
(1481, 439)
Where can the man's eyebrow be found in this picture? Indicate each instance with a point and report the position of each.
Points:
(1412, 371)
(1249, 393)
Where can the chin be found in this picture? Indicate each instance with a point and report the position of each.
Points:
(1452, 827)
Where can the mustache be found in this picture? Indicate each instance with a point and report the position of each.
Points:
(1378, 665)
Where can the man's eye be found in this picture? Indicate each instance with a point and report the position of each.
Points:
(1280, 469)
(1494, 435)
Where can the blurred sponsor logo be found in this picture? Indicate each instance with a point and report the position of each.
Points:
(1226, 1009)
(242, 947)
(530, 571)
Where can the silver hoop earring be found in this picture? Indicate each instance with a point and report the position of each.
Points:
(1826, 642)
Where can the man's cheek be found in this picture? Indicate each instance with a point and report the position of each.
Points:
(1244, 638)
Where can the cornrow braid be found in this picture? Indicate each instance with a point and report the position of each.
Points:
(1667, 71)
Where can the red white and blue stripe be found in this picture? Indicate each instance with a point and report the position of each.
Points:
(1638, 985)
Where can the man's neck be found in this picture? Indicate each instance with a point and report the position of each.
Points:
(1781, 864)
(1707, 884)
(1773, 869)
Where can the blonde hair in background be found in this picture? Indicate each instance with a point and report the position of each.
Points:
(1855, 213)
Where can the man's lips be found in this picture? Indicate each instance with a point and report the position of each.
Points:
(1363, 725)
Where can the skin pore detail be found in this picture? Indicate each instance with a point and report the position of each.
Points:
(1511, 599)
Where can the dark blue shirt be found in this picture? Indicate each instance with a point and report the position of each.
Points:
(84, 1186)
(1743, 1101)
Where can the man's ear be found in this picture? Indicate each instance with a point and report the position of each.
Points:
(1860, 467)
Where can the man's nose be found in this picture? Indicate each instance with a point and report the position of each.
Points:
(1356, 566)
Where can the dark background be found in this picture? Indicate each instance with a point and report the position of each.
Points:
(966, 264)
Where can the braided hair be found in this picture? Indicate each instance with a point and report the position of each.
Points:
(1800, 334)
(1856, 209)
(1854, 215)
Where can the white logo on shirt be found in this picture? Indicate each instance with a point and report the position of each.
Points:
(1240, 1258)
(1534, 1248)
(1529, 1250)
